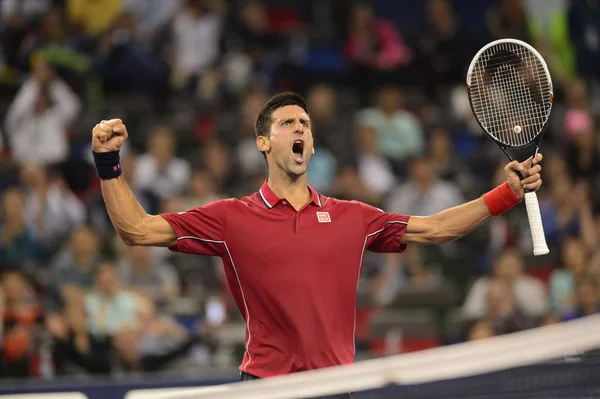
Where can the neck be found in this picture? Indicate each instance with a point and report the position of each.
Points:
(295, 190)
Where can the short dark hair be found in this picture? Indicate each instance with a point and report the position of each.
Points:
(265, 117)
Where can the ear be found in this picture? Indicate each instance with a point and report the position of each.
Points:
(263, 143)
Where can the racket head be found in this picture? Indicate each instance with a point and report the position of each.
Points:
(510, 92)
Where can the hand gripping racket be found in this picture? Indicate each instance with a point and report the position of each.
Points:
(510, 91)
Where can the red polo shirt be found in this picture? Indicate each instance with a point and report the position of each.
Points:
(292, 274)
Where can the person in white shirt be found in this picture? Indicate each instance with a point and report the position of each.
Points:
(159, 172)
(530, 295)
(196, 36)
(38, 119)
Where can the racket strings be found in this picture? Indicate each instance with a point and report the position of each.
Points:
(510, 93)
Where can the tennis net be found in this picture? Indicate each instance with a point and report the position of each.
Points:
(556, 361)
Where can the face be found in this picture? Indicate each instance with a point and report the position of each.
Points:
(106, 280)
(84, 242)
(162, 145)
(575, 256)
(587, 294)
(509, 266)
(140, 257)
(290, 144)
(13, 205)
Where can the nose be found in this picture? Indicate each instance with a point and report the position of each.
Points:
(299, 128)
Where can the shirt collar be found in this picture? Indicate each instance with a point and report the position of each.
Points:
(271, 199)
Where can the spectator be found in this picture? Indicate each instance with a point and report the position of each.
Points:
(330, 128)
(575, 258)
(240, 130)
(195, 42)
(18, 17)
(587, 300)
(110, 309)
(503, 312)
(52, 210)
(141, 272)
(442, 51)
(64, 51)
(425, 193)
(159, 173)
(374, 169)
(568, 212)
(93, 17)
(409, 270)
(508, 19)
(154, 343)
(18, 243)
(528, 292)
(374, 47)
(39, 117)
(201, 190)
(20, 314)
(448, 167)
(76, 350)
(584, 30)
(73, 270)
(151, 16)
(126, 66)
(255, 38)
(399, 132)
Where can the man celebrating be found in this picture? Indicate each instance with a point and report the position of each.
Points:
(292, 256)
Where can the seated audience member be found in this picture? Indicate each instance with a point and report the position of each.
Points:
(73, 270)
(158, 173)
(52, 210)
(155, 341)
(145, 274)
(527, 292)
(18, 242)
(563, 281)
(76, 350)
(109, 308)
(20, 315)
(587, 300)
(503, 312)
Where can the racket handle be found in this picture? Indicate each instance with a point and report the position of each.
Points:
(535, 224)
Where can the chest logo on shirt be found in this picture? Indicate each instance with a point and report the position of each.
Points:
(323, 217)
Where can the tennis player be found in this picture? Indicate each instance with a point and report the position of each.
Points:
(292, 256)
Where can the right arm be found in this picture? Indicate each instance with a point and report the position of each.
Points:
(132, 223)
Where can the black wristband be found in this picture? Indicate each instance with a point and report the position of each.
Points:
(108, 164)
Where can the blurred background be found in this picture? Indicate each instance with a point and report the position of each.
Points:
(384, 81)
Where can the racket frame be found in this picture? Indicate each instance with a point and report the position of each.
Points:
(538, 138)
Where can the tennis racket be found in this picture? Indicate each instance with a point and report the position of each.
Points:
(510, 91)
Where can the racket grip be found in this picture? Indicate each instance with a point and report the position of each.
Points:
(535, 224)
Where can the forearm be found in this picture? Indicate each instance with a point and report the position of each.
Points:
(459, 221)
(127, 215)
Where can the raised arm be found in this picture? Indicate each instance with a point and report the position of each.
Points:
(128, 217)
(459, 221)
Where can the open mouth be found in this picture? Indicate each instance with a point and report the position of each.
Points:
(298, 151)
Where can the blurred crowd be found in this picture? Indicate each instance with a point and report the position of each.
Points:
(384, 82)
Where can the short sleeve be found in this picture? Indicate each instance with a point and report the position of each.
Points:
(200, 230)
(384, 229)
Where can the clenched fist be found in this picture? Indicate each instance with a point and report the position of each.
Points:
(108, 136)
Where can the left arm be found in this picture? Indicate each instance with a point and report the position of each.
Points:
(459, 221)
